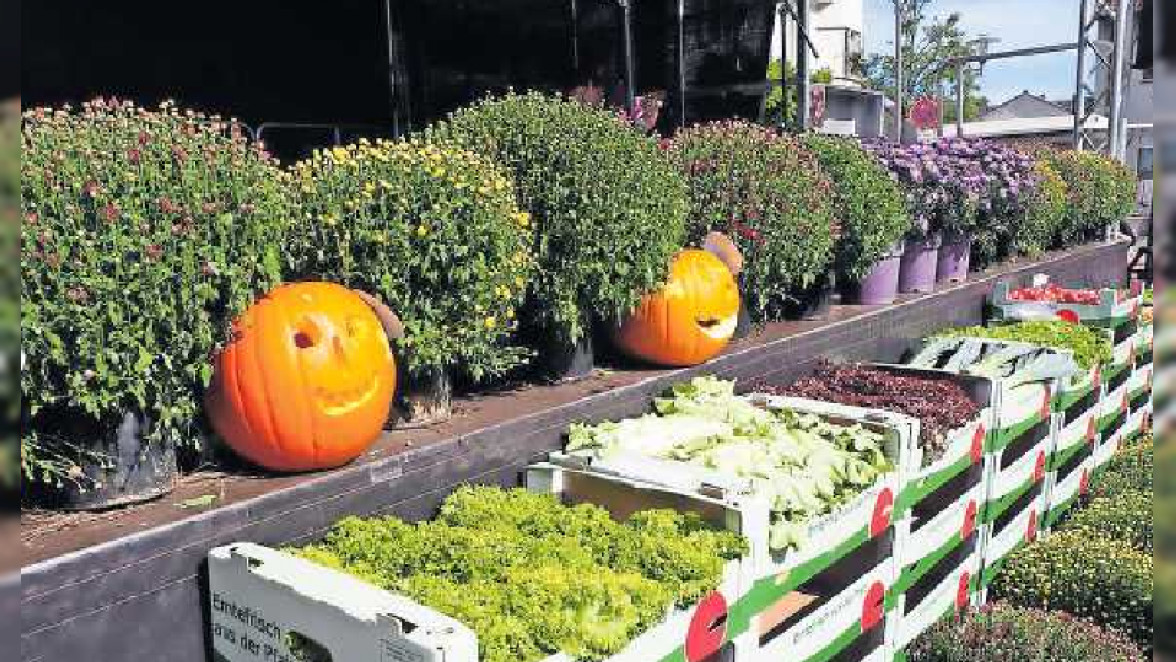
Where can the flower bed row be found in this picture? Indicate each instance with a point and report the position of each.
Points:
(502, 236)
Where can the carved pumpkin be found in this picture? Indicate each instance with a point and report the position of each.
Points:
(307, 380)
(688, 321)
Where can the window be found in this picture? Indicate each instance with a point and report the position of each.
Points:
(1144, 165)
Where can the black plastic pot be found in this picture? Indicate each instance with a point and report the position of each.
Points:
(118, 467)
(562, 361)
(812, 303)
(421, 400)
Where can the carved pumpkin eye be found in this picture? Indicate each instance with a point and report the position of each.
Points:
(309, 334)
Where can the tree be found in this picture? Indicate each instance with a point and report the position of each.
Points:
(927, 48)
(773, 107)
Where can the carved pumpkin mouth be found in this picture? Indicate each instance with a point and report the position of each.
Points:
(719, 329)
(343, 402)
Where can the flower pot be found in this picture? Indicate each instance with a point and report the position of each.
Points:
(118, 467)
(743, 325)
(955, 257)
(920, 265)
(422, 399)
(813, 302)
(879, 287)
(562, 361)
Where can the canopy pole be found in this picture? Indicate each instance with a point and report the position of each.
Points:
(630, 73)
(682, 63)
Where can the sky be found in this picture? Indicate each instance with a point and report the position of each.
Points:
(1018, 24)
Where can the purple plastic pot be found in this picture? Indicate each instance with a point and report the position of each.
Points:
(920, 265)
(880, 286)
(955, 257)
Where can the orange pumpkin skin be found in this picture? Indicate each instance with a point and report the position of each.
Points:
(690, 320)
(307, 380)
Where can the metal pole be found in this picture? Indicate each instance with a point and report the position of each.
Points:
(394, 91)
(576, 39)
(1080, 85)
(802, 67)
(682, 62)
(630, 75)
(898, 65)
(960, 99)
(1118, 60)
(783, 64)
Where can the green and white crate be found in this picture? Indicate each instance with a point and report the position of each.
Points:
(1145, 344)
(838, 562)
(925, 541)
(1117, 311)
(1071, 451)
(1122, 364)
(1000, 539)
(266, 605)
(1113, 409)
(956, 591)
(1064, 490)
(1139, 387)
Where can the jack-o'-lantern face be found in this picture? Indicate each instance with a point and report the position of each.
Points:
(690, 320)
(306, 382)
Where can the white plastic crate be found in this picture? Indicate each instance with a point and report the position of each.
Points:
(1063, 493)
(1122, 363)
(957, 592)
(267, 606)
(1071, 438)
(997, 544)
(1072, 392)
(1113, 409)
(1117, 310)
(855, 611)
(918, 550)
(1008, 485)
(1140, 382)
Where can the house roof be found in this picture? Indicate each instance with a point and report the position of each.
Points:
(1025, 105)
(1024, 126)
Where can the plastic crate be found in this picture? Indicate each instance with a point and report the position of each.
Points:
(1064, 489)
(1113, 410)
(954, 592)
(1117, 310)
(266, 605)
(1075, 437)
(1012, 474)
(927, 536)
(1002, 538)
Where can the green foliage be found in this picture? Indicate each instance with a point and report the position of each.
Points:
(1090, 576)
(1034, 230)
(144, 233)
(532, 577)
(774, 106)
(1004, 633)
(9, 292)
(926, 45)
(870, 205)
(1131, 469)
(1101, 192)
(1126, 517)
(609, 210)
(435, 232)
(1089, 346)
(768, 192)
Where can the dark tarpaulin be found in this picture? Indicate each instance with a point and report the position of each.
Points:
(456, 51)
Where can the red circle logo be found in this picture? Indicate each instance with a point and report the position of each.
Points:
(874, 607)
(1097, 376)
(969, 526)
(1046, 403)
(1039, 467)
(708, 628)
(883, 511)
(1091, 428)
(1084, 482)
(1126, 404)
(964, 593)
(1068, 316)
(978, 444)
(1031, 531)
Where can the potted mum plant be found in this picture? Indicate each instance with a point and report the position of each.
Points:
(768, 193)
(873, 215)
(609, 213)
(434, 232)
(145, 232)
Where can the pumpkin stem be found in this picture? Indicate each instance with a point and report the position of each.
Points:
(393, 327)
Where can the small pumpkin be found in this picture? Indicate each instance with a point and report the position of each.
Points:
(690, 320)
(306, 382)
